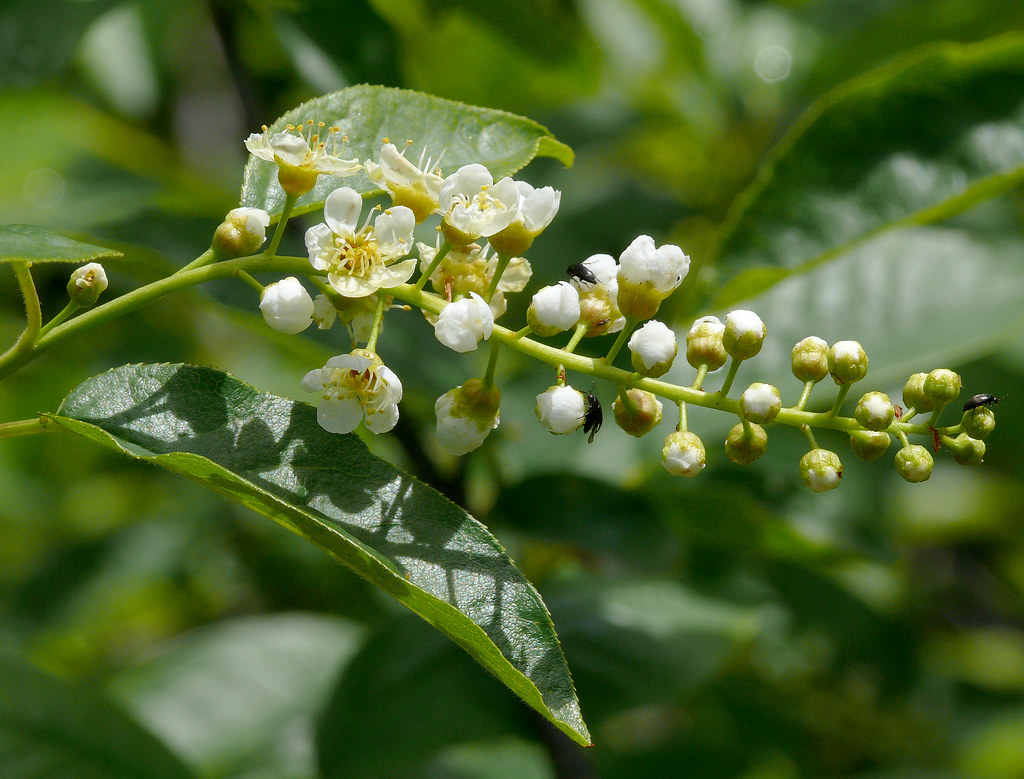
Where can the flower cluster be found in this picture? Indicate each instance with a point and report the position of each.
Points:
(360, 263)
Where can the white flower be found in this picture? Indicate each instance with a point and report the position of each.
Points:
(683, 454)
(476, 206)
(537, 207)
(286, 306)
(664, 268)
(359, 261)
(466, 415)
(653, 345)
(300, 146)
(463, 323)
(415, 186)
(560, 409)
(87, 284)
(554, 309)
(324, 312)
(354, 387)
(603, 267)
(598, 301)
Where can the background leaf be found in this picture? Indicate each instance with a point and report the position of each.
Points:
(50, 728)
(919, 140)
(270, 454)
(367, 115)
(29, 243)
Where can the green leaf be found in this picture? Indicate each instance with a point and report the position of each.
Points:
(50, 728)
(269, 453)
(368, 114)
(237, 692)
(29, 243)
(922, 139)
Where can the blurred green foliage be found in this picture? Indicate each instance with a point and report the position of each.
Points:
(734, 625)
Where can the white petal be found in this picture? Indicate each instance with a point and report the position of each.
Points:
(292, 149)
(318, 238)
(393, 231)
(340, 415)
(341, 210)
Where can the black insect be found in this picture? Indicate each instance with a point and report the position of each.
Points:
(982, 399)
(582, 273)
(593, 417)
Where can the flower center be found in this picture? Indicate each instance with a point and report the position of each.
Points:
(355, 255)
(365, 385)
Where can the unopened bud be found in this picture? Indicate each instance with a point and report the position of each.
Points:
(868, 444)
(704, 344)
(744, 334)
(286, 306)
(941, 386)
(87, 284)
(979, 422)
(745, 443)
(967, 451)
(640, 415)
(875, 411)
(821, 470)
(760, 403)
(683, 454)
(242, 232)
(913, 394)
(847, 362)
(554, 309)
(810, 359)
(560, 409)
(914, 463)
(653, 349)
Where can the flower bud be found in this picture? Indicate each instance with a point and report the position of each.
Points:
(745, 443)
(810, 359)
(683, 454)
(87, 284)
(868, 444)
(554, 309)
(847, 362)
(653, 349)
(704, 343)
(967, 451)
(463, 323)
(874, 411)
(286, 306)
(466, 415)
(913, 394)
(941, 386)
(744, 334)
(242, 232)
(914, 463)
(821, 470)
(640, 415)
(560, 409)
(760, 403)
(979, 422)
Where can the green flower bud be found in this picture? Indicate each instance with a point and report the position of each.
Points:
(599, 312)
(704, 344)
(760, 403)
(87, 284)
(637, 301)
(914, 463)
(683, 454)
(979, 422)
(744, 334)
(941, 386)
(913, 394)
(810, 359)
(821, 470)
(242, 232)
(847, 362)
(745, 443)
(967, 451)
(640, 415)
(869, 445)
(874, 411)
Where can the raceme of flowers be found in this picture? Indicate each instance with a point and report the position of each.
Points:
(485, 226)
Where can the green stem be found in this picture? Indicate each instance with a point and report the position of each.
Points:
(26, 427)
(523, 332)
(702, 373)
(425, 276)
(503, 261)
(248, 279)
(577, 336)
(626, 400)
(734, 366)
(903, 437)
(805, 395)
(492, 363)
(378, 318)
(203, 259)
(935, 417)
(682, 426)
(68, 310)
(26, 344)
(807, 431)
(286, 212)
(844, 390)
(620, 341)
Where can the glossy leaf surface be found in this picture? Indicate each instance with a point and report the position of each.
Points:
(29, 243)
